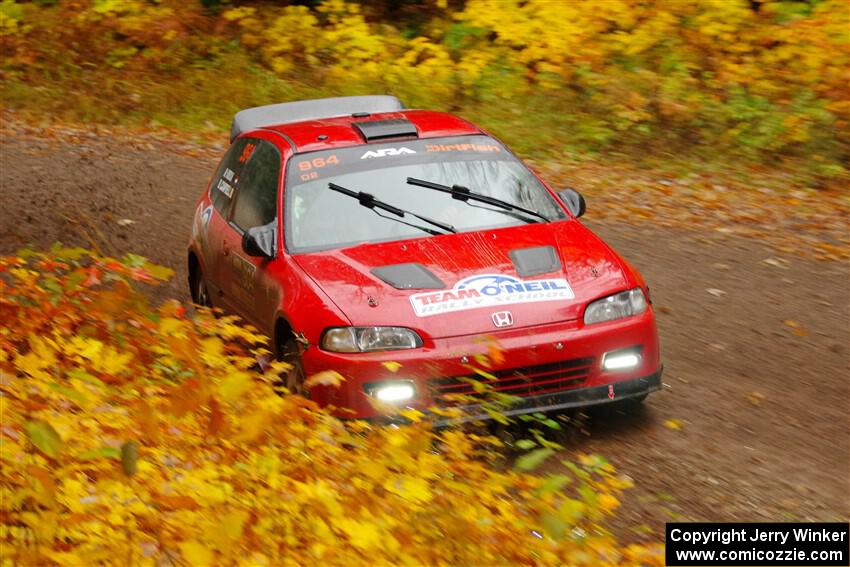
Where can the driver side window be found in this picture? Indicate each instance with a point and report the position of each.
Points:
(227, 176)
(257, 195)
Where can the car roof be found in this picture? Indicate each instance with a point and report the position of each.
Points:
(341, 131)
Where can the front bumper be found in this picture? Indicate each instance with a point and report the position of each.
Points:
(569, 399)
(527, 351)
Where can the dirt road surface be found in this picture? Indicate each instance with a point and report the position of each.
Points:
(752, 423)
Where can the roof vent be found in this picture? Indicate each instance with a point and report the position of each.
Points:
(286, 112)
(383, 129)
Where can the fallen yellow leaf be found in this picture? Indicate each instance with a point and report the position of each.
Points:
(195, 553)
(325, 378)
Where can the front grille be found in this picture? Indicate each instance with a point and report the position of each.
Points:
(523, 382)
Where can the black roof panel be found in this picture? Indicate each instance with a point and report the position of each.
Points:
(382, 129)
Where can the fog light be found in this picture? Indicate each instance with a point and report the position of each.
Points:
(398, 392)
(620, 360)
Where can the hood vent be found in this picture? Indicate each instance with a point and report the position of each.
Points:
(534, 261)
(385, 129)
(408, 276)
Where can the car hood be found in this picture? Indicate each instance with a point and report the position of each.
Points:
(453, 284)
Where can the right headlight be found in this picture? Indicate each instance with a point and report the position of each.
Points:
(617, 306)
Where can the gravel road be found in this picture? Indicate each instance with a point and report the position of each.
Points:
(752, 423)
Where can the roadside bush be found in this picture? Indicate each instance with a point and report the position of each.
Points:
(135, 434)
(759, 79)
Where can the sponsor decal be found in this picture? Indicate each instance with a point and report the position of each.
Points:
(484, 148)
(228, 174)
(225, 188)
(489, 290)
(384, 152)
(205, 217)
(246, 152)
(243, 272)
(610, 391)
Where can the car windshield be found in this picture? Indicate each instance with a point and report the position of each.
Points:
(318, 218)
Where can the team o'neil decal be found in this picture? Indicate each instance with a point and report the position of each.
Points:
(489, 290)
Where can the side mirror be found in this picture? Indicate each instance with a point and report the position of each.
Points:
(260, 241)
(574, 201)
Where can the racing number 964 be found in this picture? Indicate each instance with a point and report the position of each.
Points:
(309, 166)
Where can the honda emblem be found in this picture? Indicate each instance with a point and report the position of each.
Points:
(503, 319)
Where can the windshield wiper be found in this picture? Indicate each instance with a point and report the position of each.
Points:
(370, 202)
(465, 194)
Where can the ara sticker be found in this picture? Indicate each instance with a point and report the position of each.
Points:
(225, 188)
(489, 290)
(228, 174)
(384, 152)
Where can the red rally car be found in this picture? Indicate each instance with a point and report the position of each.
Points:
(361, 236)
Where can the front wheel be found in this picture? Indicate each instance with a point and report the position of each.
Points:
(199, 290)
(288, 351)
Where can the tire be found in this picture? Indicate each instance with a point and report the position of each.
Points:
(199, 290)
(293, 380)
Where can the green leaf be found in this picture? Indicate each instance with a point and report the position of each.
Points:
(550, 444)
(554, 483)
(576, 470)
(553, 526)
(129, 457)
(497, 415)
(74, 280)
(44, 438)
(525, 444)
(159, 272)
(71, 254)
(571, 509)
(485, 374)
(75, 396)
(102, 453)
(134, 261)
(534, 459)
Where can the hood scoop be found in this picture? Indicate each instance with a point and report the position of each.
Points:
(534, 261)
(408, 276)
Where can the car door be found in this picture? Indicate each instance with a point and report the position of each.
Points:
(222, 193)
(247, 288)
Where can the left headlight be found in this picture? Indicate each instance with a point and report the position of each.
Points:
(617, 306)
(369, 339)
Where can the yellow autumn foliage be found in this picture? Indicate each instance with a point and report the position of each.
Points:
(142, 435)
(757, 77)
